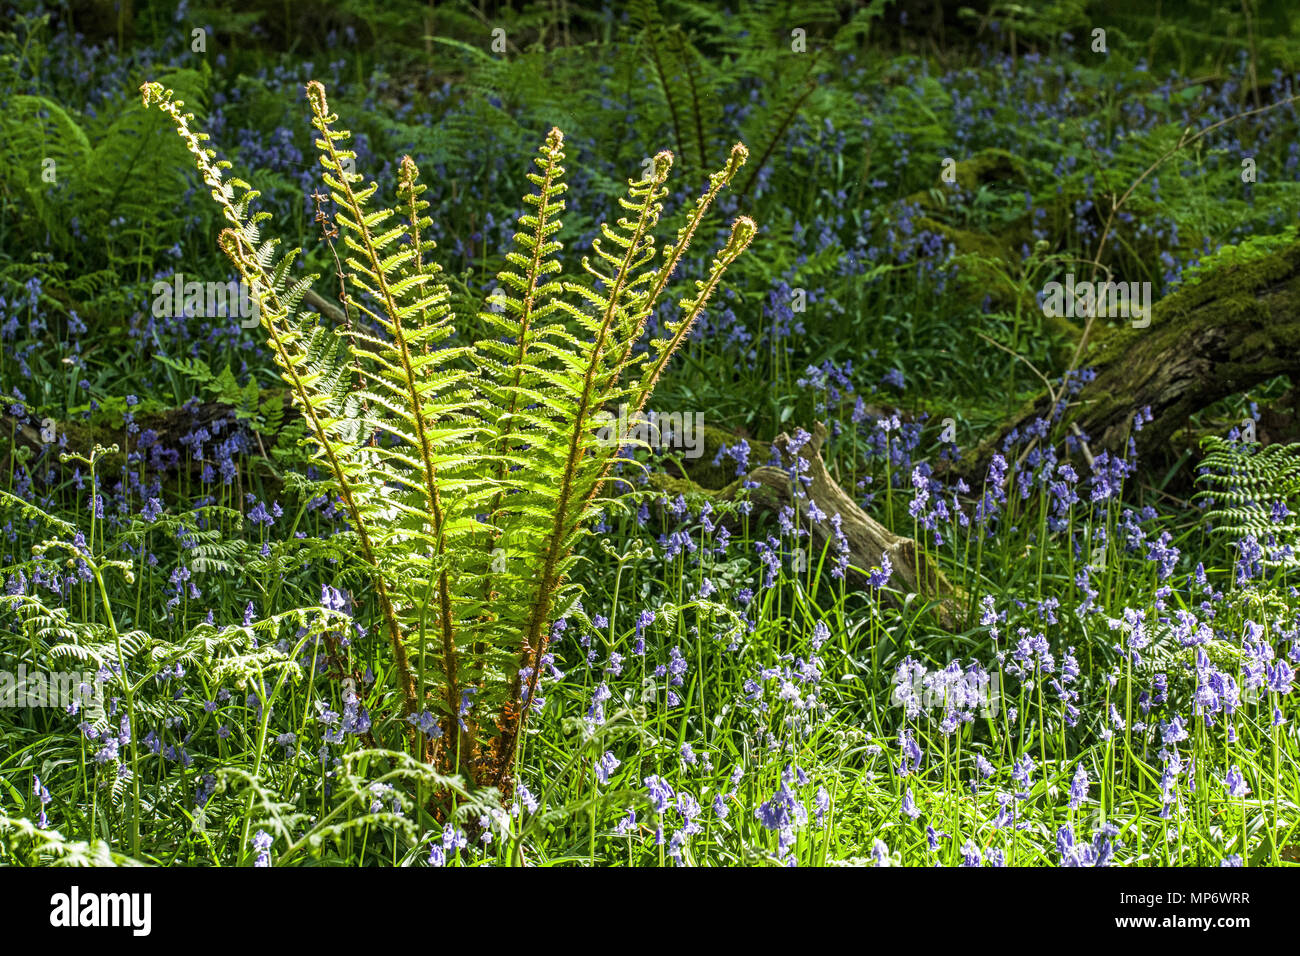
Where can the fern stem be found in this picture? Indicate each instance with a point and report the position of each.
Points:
(233, 247)
(234, 244)
(316, 94)
(534, 642)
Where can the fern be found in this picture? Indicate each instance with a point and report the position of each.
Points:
(1254, 494)
(222, 386)
(106, 170)
(24, 843)
(469, 472)
(686, 77)
(680, 72)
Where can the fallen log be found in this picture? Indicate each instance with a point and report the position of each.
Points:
(869, 541)
(168, 425)
(1236, 328)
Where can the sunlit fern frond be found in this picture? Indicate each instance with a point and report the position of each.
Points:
(592, 373)
(418, 395)
(468, 472)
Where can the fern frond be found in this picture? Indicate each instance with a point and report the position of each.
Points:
(469, 473)
(1254, 492)
(418, 399)
(619, 315)
(310, 357)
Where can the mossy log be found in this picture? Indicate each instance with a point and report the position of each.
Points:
(169, 426)
(869, 541)
(1239, 326)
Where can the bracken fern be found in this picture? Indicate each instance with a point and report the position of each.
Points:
(1254, 494)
